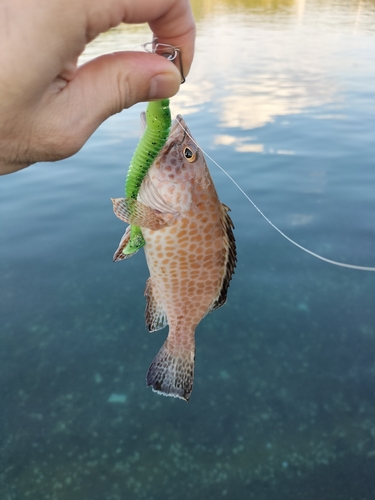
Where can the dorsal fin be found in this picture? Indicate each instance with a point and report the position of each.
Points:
(231, 258)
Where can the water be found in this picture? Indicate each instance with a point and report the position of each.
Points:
(282, 95)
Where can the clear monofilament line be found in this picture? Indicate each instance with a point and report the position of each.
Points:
(329, 261)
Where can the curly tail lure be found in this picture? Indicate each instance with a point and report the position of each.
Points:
(158, 124)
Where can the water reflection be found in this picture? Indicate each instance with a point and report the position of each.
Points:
(123, 37)
(288, 7)
(208, 7)
(250, 71)
(253, 104)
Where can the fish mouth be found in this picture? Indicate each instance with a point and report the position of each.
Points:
(178, 126)
(177, 134)
(179, 130)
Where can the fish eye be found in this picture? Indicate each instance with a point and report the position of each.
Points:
(190, 155)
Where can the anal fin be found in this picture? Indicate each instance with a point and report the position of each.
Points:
(156, 317)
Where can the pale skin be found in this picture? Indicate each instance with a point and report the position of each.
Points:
(49, 107)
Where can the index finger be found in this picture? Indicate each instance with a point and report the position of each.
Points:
(177, 27)
(170, 20)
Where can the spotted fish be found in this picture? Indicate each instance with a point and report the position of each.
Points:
(190, 251)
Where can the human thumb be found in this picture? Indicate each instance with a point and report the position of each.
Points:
(99, 89)
(125, 78)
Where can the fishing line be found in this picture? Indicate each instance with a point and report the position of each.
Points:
(329, 261)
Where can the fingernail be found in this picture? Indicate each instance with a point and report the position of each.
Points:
(163, 85)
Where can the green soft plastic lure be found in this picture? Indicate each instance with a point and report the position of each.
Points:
(158, 124)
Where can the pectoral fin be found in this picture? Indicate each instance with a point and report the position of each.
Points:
(136, 213)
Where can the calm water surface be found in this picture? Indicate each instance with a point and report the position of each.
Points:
(282, 95)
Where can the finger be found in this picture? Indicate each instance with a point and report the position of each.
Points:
(180, 33)
(100, 88)
(170, 20)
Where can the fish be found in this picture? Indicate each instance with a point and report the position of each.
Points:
(190, 251)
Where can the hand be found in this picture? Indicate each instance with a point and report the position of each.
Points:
(48, 106)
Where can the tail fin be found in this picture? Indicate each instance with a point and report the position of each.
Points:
(172, 373)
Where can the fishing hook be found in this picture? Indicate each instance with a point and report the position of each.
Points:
(168, 51)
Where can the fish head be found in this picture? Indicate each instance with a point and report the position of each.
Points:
(179, 168)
